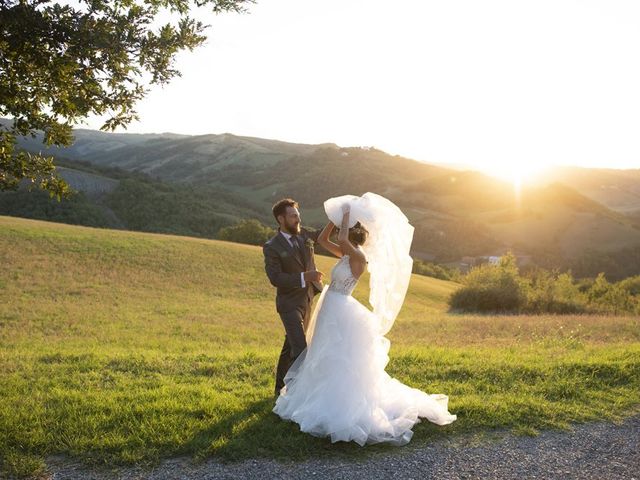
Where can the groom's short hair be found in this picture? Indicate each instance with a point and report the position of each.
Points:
(280, 207)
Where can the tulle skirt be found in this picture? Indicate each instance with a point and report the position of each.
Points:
(338, 386)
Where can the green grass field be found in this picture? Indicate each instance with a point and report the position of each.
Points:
(119, 347)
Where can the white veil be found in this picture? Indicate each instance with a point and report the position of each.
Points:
(386, 248)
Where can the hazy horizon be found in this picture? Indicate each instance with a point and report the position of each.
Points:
(452, 165)
(504, 87)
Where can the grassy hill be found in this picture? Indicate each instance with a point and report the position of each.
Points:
(123, 347)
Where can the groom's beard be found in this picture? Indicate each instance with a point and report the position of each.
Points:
(292, 229)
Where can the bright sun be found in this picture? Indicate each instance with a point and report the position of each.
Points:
(517, 174)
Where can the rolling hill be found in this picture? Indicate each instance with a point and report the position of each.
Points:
(571, 213)
(618, 190)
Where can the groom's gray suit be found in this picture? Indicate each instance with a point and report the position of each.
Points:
(284, 265)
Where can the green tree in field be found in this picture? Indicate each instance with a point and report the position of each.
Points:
(247, 231)
(60, 63)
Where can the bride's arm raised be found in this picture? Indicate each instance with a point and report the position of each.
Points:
(346, 246)
(323, 239)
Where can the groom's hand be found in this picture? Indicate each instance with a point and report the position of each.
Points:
(313, 276)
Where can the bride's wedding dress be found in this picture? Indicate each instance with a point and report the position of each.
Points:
(338, 386)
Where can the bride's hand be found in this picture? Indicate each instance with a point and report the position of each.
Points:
(346, 208)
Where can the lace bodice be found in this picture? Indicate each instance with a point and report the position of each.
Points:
(342, 280)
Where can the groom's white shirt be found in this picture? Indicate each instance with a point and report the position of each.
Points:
(288, 237)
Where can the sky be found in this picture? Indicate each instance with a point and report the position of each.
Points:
(507, 87)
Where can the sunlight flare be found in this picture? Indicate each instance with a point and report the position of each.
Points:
(516, 174)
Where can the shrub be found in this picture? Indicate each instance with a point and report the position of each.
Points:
(553, 292)
(491, 288)
(631, 285)
(247, 231)
(436, 271)
(501, 288)
(613, 297)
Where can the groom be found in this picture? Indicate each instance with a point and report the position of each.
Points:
(291, 268)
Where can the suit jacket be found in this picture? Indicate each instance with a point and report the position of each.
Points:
(283, 267)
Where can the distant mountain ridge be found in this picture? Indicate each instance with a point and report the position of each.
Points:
(617, 189)
(456, 213)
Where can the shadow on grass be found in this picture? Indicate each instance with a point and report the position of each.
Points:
(257, 432)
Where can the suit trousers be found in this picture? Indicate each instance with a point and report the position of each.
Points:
(295, 325)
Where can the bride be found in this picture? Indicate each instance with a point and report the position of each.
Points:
(338, 386)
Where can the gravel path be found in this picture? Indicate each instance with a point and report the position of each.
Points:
(600, 450)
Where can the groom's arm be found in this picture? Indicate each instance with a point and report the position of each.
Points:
(273, 268)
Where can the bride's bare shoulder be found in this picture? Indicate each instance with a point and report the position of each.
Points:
(357, 263)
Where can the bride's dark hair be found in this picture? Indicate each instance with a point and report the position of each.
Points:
(358, 234)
